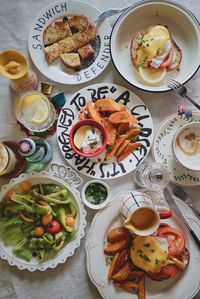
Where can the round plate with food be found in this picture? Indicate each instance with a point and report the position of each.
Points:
(42, 219)
(163, 150)
(157, 266)
(149, 43)
(126, 119)
(65, 44)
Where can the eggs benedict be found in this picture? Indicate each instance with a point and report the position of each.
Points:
(161, 256)
(154, 52)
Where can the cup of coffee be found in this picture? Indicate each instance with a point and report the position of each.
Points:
(7, 159)
(140, 215)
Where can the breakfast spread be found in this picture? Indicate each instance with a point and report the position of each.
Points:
(70, 40)
(154, 53)
(37, 220)
(120, 124)
(160, 256)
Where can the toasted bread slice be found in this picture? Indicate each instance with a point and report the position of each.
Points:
(117, 234)
(55, 32)
(71, 60)
(82, 38)
(79, 22)
(67, 45)
(108, 105)
(52, 52)
(86, 51)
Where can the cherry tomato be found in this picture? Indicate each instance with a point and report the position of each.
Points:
(165, 215)
(175, 238)
(39, 231)
(168, 59)
(46, 219)
(53, 227)
(26, 186)
(70, 221)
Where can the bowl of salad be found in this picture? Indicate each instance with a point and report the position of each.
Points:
(41, 221)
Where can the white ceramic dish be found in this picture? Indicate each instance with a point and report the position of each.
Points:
(67, 178)
(96, 206)
(183, 26)
(96, 167)
(163, 150)
(187, 141)
(184, 286)
(56, 71)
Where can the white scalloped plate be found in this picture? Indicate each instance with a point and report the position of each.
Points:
(69, 249)
(184, 286)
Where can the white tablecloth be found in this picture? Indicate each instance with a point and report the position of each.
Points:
(69, 280)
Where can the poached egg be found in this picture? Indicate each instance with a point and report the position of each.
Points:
(155, 45)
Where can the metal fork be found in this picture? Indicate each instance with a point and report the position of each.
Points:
(179, 192)
(111, 12)
(180, 89)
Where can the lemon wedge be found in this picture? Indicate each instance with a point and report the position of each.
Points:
(79, 136)
(41, 113)
(28, 100)
(152, 76)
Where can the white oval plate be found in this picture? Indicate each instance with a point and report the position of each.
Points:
(163, 151)
(69, 116)
(184, 286)
(69, 249)
(56, 71)
(144, 14)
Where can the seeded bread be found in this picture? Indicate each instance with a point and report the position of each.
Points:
(71, 60)
(52, 52)
(86, 51)
(79, 22)
(55, 32)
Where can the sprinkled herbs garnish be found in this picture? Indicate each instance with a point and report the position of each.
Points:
(109, 147)
(145, 257)
(134, 139)
(146, 244)
(157, 261)
(158, 51)
(152, 250)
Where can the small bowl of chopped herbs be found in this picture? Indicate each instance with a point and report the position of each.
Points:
(96, 194)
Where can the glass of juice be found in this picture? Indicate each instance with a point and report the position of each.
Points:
(34, 110)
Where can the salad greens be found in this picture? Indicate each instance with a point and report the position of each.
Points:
(36, 220)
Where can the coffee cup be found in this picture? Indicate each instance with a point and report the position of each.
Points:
(140, 215)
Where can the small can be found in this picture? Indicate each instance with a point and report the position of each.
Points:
(26, 147)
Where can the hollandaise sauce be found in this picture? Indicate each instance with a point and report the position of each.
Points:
(153, 44)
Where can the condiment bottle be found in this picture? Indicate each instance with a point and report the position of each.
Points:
(14, 66)
(35, 150)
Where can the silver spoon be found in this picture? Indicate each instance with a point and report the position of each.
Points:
(108, 13)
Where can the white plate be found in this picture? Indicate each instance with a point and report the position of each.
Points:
(147, 13)
(69, 116)
(56, 71)
(67, 178)
(163, 151)
(184, 286)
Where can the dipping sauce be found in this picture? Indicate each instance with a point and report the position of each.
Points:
(96, 193)
(88, 139)
(143, 218)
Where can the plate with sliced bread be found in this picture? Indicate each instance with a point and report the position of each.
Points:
(66, 45)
